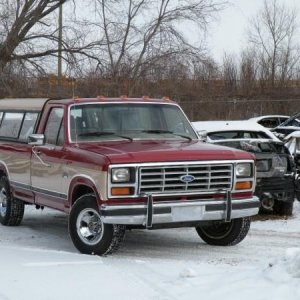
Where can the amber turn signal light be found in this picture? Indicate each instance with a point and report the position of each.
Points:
(120, 191)
(243, 185)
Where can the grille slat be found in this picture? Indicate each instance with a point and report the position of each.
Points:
(167, 179)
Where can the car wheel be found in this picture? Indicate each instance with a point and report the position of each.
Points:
(11, 209)
(88, 232)
(283, 208)
(225, 233)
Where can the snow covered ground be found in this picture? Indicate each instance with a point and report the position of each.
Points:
(38, 262)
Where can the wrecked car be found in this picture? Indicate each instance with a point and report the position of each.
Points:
(288, 126)
(275, 176)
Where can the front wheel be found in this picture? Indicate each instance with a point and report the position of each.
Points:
(11, 209)
(88, 232)
(225, 233)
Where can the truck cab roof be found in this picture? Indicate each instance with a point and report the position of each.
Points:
(30, 104)
(37, 104)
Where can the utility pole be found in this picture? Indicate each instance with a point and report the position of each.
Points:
(59, 62)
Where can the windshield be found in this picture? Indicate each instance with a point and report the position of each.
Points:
(92, 122)
(256, 146)
(237, 134)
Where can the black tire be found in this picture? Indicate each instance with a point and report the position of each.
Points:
(88, 233)
(225, 233)
(297, 194)
(283, 208)
(11, 209)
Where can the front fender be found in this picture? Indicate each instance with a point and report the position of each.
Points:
(3, 169)
(78, 183)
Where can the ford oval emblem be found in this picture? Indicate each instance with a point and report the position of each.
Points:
(187, 178)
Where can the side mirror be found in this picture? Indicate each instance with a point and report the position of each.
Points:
(36, 139)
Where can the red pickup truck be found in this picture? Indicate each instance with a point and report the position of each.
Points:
(120, 163)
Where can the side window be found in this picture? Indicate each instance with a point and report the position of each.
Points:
(11, 124)
(53, 125)
(281, 120)
(246, 135)
(262, 135)
(269, 122)
(28, 125)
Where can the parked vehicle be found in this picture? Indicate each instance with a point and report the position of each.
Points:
(275, 184)
(270, 121)
(290, 125)
(223, 130)
(292, 142)
(120, 163)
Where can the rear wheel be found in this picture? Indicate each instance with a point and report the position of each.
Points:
(88, 232)
(225, 233)
(11, 209)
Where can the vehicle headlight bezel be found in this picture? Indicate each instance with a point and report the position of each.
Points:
(244, 170)
(120, 175)
(263, 165)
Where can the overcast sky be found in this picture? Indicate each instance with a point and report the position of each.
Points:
(228, 34)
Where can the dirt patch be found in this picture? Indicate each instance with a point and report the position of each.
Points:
(266, 217)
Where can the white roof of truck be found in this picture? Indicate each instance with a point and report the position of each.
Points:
(32, 104)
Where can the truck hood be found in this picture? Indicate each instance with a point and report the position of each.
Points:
(161, 151)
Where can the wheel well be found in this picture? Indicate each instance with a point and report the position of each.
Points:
(80, 191)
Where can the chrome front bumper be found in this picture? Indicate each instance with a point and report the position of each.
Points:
(179, 211)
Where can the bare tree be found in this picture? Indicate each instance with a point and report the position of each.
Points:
(248, 70)
(27, 33)
(24, 29)
(230, 73)
(137, 34)
(272, 33)
(29, 39)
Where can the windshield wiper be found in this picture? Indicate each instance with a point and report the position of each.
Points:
(103, 133)
(157, 131)
(160, 131)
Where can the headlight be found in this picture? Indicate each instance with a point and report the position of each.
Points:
(280, 164)
(120, 175)
(263, 165)
(243, 170)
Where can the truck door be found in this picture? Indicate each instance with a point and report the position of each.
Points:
(47, 163)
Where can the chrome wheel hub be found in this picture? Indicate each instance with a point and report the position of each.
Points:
(89, 226)
(3, 202)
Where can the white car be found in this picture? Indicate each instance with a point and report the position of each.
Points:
(276, 185)
(290, 125)
(270, 121)
(225, 130)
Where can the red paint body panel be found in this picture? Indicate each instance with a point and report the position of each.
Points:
(162, 151)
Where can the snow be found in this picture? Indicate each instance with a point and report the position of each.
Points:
(38, 261)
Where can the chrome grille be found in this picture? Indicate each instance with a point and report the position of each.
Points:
(167, 179)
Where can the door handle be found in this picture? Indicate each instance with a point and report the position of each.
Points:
(37, 153)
